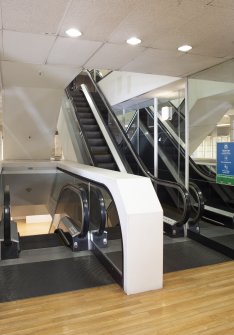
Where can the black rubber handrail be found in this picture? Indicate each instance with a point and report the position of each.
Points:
(199, 209)
(192, 186)
(6, 216)
(102, 207)
(180, 188)
(175, 143)
(81, 192)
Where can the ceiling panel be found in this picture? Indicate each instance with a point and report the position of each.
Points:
(26, 48)
(33, 16)
(1, 46)
(113, 56)
(96, 18)
(223, 4)
(71, 51)
(169, 63)
(150, 19)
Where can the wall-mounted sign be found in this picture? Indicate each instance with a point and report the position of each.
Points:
(225, 163)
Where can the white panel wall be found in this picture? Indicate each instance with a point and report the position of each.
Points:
(65, 139)
(121, 86)
(29, 121)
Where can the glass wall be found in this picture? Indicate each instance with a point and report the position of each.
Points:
(211, 109)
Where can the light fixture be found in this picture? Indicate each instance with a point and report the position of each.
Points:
(133, 41)
(185, 48)
(73, 32)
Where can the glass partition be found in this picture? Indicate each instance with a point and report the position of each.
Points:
(211, 110)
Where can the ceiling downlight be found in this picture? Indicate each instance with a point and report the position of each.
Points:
(73, 32)
(185, 48)
(133, 41)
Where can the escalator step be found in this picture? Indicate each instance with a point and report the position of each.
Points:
(88, 121)
(88, 115)
(40, 241)
(100, 149)
(91, 127)
(93, 134)
(109, 166)
(77, 94)
(83, 109)
(80, 102)
(107, 158)
(97, 142)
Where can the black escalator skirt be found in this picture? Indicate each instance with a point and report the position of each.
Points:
(95, 140)
(40, 241)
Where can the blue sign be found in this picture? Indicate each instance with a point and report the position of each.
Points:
(225, 162)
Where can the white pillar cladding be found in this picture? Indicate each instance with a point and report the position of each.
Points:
(231, 128)
(141, 220)
(155, 137)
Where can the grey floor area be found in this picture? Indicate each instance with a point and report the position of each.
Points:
(53, 270)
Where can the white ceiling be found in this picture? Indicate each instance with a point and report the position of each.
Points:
(33, 32)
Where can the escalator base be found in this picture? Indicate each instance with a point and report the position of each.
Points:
(216, 243)
(189, 254)
(23, 281)
(40, 241)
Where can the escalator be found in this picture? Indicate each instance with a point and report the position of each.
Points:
(219, 204)
(217, 217)
(59, 261)
(109, 147)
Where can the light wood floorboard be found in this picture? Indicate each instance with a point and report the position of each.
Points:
(196, 301)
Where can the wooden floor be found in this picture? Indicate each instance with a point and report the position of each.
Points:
(197, 301)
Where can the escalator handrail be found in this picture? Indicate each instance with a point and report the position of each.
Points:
(131, 122)
(175, 143)
(200, 202)
(182, 190)
(196, 190)
(103, 212)
(6, 216)
(81, 192)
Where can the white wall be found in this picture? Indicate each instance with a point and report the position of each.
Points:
(32, 96)
(29, 121)
(121, 86)
(65, 138)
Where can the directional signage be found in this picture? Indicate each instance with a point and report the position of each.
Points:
(225, 163)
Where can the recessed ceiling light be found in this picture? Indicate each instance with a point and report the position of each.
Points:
(133, 41)
(185, 48)
(73, 32)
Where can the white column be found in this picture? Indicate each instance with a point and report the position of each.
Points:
(231, 128)
(156, 137)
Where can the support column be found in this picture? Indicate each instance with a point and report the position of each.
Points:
(156, 137)
(231, 128)
(186, 142)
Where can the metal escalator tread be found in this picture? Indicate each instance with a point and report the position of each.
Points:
(83, 109)
(106, 158)
(90, 127)
(88, 121)
(94, 134)
(96, 141)
(99, 149)
(108, 166)
(40, 241)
